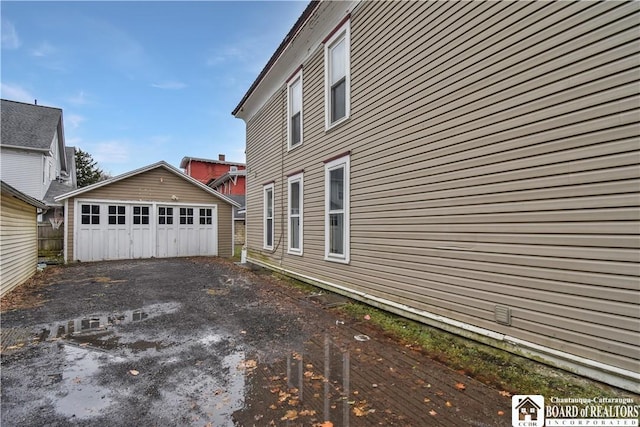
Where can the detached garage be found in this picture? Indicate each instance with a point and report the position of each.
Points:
(154, 211)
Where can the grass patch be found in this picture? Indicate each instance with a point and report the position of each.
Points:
(497, 368)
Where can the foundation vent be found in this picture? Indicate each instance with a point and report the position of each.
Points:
(503, 315)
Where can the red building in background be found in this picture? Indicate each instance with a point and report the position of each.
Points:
(226, 177)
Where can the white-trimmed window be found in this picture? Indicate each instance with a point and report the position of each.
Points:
(337, 81)
(336, 225)
(269, 224)
(295, 216)
(294, 110)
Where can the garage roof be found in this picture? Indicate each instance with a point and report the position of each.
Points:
(7, 189)
(160, 164)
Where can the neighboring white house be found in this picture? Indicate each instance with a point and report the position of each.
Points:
(33, 155)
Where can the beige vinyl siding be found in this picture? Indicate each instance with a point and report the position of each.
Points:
(494, 161)
(160, 185)
(18, 242)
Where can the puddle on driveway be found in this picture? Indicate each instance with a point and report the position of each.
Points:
(79, 397)
(98, 330)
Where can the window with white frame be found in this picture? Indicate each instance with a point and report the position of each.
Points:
(337, 76)
(295, 216)
(294, 106)
(336, 241)
(269, 225)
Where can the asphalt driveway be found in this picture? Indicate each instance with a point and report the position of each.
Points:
(203, 342)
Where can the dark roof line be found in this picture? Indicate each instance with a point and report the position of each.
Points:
(7, 189)
(301, 20)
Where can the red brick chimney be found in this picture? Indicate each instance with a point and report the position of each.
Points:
(221, 157)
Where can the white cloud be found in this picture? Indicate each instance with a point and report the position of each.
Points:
(73, 121)
(43, 50)
(15, 92)
(159, 139)
(171, 85)
(227, 54)
(79, 98)
(109, 152)
(10, 39)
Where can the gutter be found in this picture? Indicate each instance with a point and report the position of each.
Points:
(283, 45)
(613, 375)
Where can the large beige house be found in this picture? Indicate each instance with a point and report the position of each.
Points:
(472, 165)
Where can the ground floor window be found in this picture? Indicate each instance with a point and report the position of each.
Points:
(295, 214)
(337, 209)
(90, 214)
(141, 215)
(186, 216)
(165, 215)
(268, 225)
(116, 214)
(206, 217)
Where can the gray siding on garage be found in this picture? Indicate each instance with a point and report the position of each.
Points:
(159, 185)
(494, 160)
(18, 242)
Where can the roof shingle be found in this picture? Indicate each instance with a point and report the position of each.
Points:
(27, 125)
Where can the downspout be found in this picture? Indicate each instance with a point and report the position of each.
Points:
(283, 146)
(65, 247)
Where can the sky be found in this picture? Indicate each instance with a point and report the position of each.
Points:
(140, 82)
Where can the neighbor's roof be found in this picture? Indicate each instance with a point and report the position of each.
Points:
(56, 189)
(185, 160)
(160, 164)
(28, 126)
(7, 189)
(283, 45)
(226, 177)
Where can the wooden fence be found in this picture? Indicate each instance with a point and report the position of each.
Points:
(50, 241)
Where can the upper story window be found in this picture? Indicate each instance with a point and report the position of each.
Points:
(294, 108)
(268, 224)
(337, 85)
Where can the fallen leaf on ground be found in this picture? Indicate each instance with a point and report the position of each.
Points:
(291, 414)
(134, 372)
(307, 412)
(427, 400)
(367, 317)
(460, 386)
(504, 393)
(325, 424)
(358, 412)
(433, 413)
(448, 404)
(283, 395)
(248, 364)
(501, 413)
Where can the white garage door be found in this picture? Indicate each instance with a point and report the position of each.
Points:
(124, 230)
